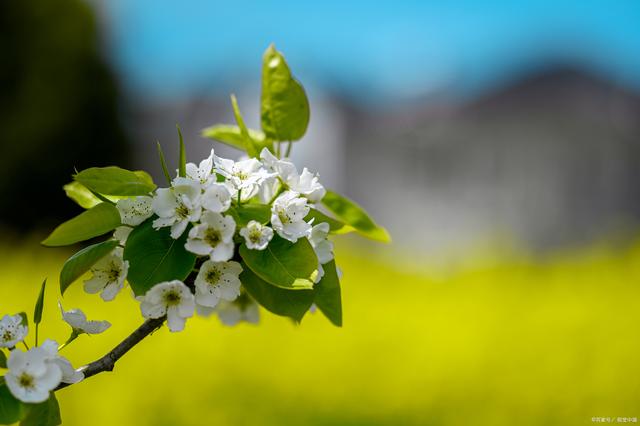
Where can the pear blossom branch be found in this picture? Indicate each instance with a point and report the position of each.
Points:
(107, 362)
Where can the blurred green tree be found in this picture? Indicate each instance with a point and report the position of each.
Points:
(58, 107)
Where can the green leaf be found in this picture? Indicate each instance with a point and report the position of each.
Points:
(82, 261)
(335, 226)
(182, 162)
(283, 263)
(84, 197)
(155, 257)
(284, 107)
(115, 181)
(327, 294)
(37, 312)
(249, 144)
(11, 409)
(144, 176)
(81, 195)
(3, 359)
(354, 215)
(288, 303)
(44, 414)
(163, 163)
(92, 223)
(232, 136)
(245, 213)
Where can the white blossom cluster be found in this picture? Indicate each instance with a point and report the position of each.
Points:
(34, 373)
(200, 202)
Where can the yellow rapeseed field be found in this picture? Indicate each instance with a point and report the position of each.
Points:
(514, 341)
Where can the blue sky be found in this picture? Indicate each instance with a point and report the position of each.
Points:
(372, 51)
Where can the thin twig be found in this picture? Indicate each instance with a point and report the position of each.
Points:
(107, 362)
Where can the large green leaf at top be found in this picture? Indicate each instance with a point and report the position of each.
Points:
(94, 222)
(233, 136)
(284, 107)
(115, 181)
(283, 263)
(245, 213)
(155, 257)
(82, 261)
(11, 409)
(327, 294)
(46, 413)
(289, 303)
(354, 215)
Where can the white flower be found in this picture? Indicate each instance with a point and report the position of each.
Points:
(32, 375)
(213, 237)
(216, 198)
(216, 281)
(202, 173)
(121, 234)
(241, 309)
(134, 211)
(69, 374)
(322, 246)
(170, 298)
(306, 184)
(256, 235)
(287, 216)
(78, 321)
(109, 274)
(244, 175)
(177, 206)
(12, 331)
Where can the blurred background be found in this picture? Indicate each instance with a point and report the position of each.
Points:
(498, 142)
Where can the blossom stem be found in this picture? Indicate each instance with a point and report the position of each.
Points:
(74, 336)
(239, 196)
(107, 362)
(286, 155)
(25, 345)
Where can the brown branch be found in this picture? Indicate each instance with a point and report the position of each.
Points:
(107, 362)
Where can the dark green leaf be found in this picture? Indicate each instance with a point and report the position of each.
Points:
(249, 144)
(37, 312)
(44, 414)
(3, 359)
(335, 226)
(354, 215)
(182, 163)
(115, 181)
(92, 223)
(289, 303)
(232, 136)
(245, 213)
(82, 261)
(155, 257)
(163, 163)
(283, 263)
(284, 108)
(327, 294)
(11, 409)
